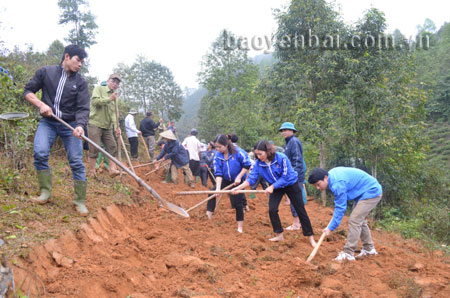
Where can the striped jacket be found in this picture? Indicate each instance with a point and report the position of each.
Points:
(67, 95)
(278, 173)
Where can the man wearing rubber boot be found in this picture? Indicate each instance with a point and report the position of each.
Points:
(102, 121)
(65, 94)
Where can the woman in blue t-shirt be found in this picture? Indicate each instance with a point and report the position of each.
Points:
(276, 169)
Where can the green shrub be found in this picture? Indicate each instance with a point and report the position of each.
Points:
(17, 136)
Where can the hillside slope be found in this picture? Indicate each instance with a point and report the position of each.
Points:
(142, 250)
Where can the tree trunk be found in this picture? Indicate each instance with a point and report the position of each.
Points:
(374, 167)
(323, 196)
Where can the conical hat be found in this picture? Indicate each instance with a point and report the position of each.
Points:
(168, 134)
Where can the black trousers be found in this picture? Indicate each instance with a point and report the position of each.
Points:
(194, 165)
(204, 174)
(134, 147)
(295, 195)
(237, 202)
(261, 181)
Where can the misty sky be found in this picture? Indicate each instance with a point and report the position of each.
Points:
(178, 33)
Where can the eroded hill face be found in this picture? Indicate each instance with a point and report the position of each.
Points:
(146, 251)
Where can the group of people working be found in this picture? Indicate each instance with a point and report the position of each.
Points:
(65, 95)
(285, 175)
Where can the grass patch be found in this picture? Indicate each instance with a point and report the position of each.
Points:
(406, 286)
(23, 223)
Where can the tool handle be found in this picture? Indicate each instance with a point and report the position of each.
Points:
(199, 192)
(208, 198)
(132, 174)
(145, 146)
(152, 171)
(313, 253)
(121, 142)
(147, 164)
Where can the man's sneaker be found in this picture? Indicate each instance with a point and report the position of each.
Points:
(343, 256)
(364, 253)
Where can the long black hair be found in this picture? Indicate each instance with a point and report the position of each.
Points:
(224, 141)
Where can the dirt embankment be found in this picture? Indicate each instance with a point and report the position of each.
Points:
(146, 251)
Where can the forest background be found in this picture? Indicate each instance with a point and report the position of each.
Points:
(373, 100)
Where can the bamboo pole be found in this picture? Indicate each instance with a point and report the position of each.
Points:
(121, 139)
(126, 154)
(119, 145)
(145, 146)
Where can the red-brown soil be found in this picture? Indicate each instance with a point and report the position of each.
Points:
(146, 251)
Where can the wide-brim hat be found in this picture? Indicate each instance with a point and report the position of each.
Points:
(287, 125)
(115, 76)
(168, 134)
(132, 112)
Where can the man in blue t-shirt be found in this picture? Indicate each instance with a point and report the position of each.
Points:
(349, 184)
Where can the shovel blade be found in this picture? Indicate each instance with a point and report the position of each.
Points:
(174, 208)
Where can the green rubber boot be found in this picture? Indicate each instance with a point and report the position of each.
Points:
(98, 161)
(105, 162)
(80, 197)
(168, 177)
(45, 186)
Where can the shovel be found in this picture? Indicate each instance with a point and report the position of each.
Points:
(172, 207)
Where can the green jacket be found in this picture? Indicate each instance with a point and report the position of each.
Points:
(103, 113)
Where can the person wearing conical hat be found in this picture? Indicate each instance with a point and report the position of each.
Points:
(174, 151)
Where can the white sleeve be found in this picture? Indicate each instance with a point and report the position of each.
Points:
(133, 125)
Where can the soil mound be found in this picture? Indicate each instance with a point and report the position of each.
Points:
(146, 251)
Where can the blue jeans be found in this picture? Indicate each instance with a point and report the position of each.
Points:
(46, 135)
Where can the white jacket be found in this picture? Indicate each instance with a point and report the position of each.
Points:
(130, 126)
(193, 146)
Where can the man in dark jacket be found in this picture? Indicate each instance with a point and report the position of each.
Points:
(65, 94)
(147, 127)
(294, 151)
(174, 151)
